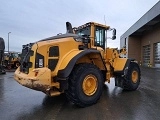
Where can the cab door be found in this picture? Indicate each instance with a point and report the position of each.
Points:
(100, 36)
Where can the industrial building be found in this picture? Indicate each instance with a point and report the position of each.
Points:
(142, 39)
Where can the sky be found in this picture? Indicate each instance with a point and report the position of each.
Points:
(32, 20)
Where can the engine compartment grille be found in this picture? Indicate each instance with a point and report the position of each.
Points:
(25, 58)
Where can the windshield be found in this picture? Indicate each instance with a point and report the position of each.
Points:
(82, 30)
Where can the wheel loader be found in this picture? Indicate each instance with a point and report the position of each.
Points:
(12, 60)
(77, 63)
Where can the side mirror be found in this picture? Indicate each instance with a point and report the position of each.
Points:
(114, 34)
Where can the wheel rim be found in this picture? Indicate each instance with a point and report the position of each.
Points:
(89, 85)
(134, 76)
(17, 64)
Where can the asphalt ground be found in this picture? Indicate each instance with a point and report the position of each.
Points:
(21, 103)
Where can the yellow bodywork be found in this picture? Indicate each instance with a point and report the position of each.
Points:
(40, 82)
(43, 79)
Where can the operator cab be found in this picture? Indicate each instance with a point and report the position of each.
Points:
(96, 32)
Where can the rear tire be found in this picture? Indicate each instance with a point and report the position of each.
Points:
(132, 79)
(85, 85)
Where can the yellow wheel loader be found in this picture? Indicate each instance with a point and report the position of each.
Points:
(12, 60)
(77, 63)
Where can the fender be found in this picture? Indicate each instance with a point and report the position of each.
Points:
(120, 74)
(64, 73)
(125, 69)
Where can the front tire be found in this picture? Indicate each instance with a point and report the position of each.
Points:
(132, 79)
(85, 85)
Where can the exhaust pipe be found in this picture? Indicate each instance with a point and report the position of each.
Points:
(69, 27)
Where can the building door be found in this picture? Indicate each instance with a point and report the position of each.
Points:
(146, 55)
(157, 54)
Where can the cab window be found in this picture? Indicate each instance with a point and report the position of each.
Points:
(99, 37)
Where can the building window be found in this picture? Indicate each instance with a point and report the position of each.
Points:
(125, 41)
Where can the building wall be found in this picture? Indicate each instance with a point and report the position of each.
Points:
(134, 48)
(149, 39)
(147, 30)
(135, 44)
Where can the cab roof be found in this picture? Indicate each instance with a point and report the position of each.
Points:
(93, 23)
